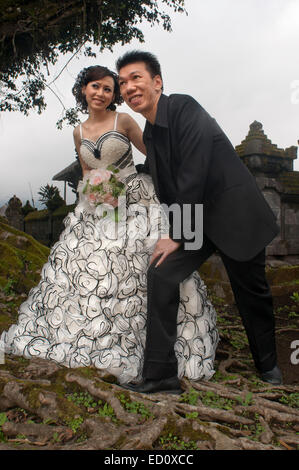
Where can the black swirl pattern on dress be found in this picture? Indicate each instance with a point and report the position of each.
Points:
(90, 305)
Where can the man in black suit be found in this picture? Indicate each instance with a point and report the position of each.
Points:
(192, 162)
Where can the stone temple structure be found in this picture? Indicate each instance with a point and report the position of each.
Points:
(273, 170)
(14, 214)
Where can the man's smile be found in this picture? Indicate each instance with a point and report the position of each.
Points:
(135, 99)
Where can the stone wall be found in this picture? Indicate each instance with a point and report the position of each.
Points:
(44, 226)
(282, 275)
(286, 209)
(272, 168)
(40, 229)
(14, 214)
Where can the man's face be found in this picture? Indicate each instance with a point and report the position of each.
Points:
(139, 89)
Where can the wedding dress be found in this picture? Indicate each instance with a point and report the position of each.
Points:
(90, 306)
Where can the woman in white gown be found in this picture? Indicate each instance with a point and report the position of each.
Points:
(89, 308)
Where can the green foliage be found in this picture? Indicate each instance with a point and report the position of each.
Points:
(171, 441)
(219, 377)
(192, 415)
(8, 289)
(35, 33)
(21, 258)
(84, 399)
(190, 397)
(134, 406)
(256, 429)
(213, 400)
(289, 310)
(27, 208)
(50, 197)
(75, 423)
(3, 419)
(247, 401)
(55, 438)
(290, 400)
(107, 411)
(295, 297)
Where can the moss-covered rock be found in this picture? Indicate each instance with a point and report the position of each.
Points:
(21, 259)
(37, 215)
(63, 211)
(44, 214)
(283, 279)
(3, 220)
(5, 322)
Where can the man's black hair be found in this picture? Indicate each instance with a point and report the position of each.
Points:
(151, 62)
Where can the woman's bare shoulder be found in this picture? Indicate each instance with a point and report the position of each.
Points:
(76, 130)
(125, 118)
(126, 121)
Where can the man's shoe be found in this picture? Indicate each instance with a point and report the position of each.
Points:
(273, 376)
(170, 385)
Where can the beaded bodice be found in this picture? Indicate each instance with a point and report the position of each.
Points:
(111, 148)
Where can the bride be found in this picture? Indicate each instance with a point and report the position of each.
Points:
(89, 308)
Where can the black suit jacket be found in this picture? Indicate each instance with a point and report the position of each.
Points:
(207, 170)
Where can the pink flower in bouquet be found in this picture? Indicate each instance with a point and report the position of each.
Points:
(109, 199)
(92, 198)
(103, 186)
(99, 176)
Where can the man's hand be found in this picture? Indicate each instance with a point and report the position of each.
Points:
(163, 248)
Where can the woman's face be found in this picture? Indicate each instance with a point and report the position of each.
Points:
(99, 93)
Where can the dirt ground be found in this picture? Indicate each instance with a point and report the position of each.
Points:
(287, 335)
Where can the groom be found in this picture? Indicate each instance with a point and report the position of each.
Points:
(192, 162)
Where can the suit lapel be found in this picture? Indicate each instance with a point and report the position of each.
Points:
(163, 127)
(151, 155)
(162, 133)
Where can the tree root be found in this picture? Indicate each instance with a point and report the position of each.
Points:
(37, 434)
(42, 410)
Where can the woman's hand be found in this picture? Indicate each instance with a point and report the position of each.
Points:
(163, 248)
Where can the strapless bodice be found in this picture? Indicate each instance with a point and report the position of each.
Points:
(111, 148)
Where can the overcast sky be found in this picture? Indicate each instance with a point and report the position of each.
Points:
(238, 58)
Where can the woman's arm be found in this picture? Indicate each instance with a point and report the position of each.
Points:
(77, 141)
(132, 131)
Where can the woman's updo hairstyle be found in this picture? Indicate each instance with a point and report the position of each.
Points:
(91, 74)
